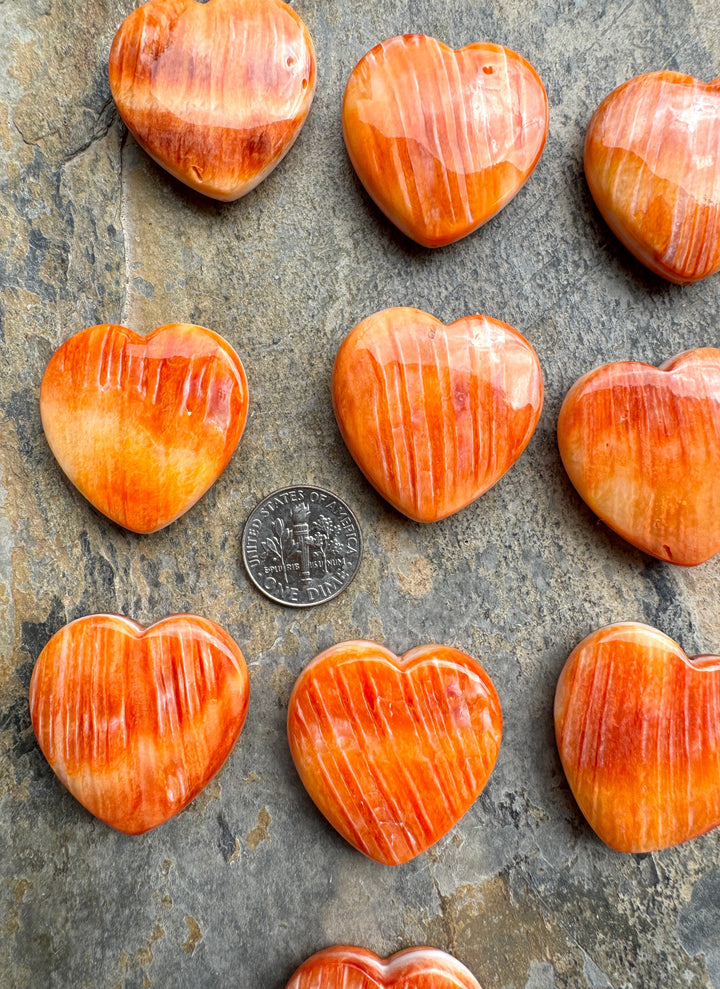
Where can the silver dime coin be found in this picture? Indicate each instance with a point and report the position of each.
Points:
(301, 546)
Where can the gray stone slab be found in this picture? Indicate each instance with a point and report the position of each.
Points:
(248, 881)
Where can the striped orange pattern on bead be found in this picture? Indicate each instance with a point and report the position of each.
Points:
(143, 426)
(443, 139)
(652, 161)
(642, 446)
(393, 750)
(134, 721)
(434, 415)
(638, 730)
(215, 92)
(348, 967)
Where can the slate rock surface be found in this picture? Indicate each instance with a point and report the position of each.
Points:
(246, 883)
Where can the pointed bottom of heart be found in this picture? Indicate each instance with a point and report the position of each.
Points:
(136, 721)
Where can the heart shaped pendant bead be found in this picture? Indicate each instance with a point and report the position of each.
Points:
(136, 721)
(215, 92)
(652, 161)
(434, 415)
(393, 750)
(143, 426)
(638, 729)
(642, 446)
(347, 967)
(443, 139)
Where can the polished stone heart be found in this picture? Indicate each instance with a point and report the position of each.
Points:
(434, 415)
(215, 92)
(393, 750)
(642, 446)
(134, 721)
(144, 426)
(638, 729)
(652, 161)
(346, 967)
(443, 139)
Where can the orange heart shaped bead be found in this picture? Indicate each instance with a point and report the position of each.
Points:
(652, 161)
(443, 139)
(347, 967)
(638, 729)
(393, 750)
(434, 415)
(134, 721)
(642, 446)
(144, 426)
(215, 92)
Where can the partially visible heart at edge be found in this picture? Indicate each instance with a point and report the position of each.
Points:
(638, 730)
(348, 967)
(641, 444)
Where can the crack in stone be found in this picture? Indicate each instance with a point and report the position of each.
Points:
(446, 920)
(97, 135)
(125, 309)
(29, 144)
(567, 931)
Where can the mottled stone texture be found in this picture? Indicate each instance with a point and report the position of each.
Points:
(238, 889)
